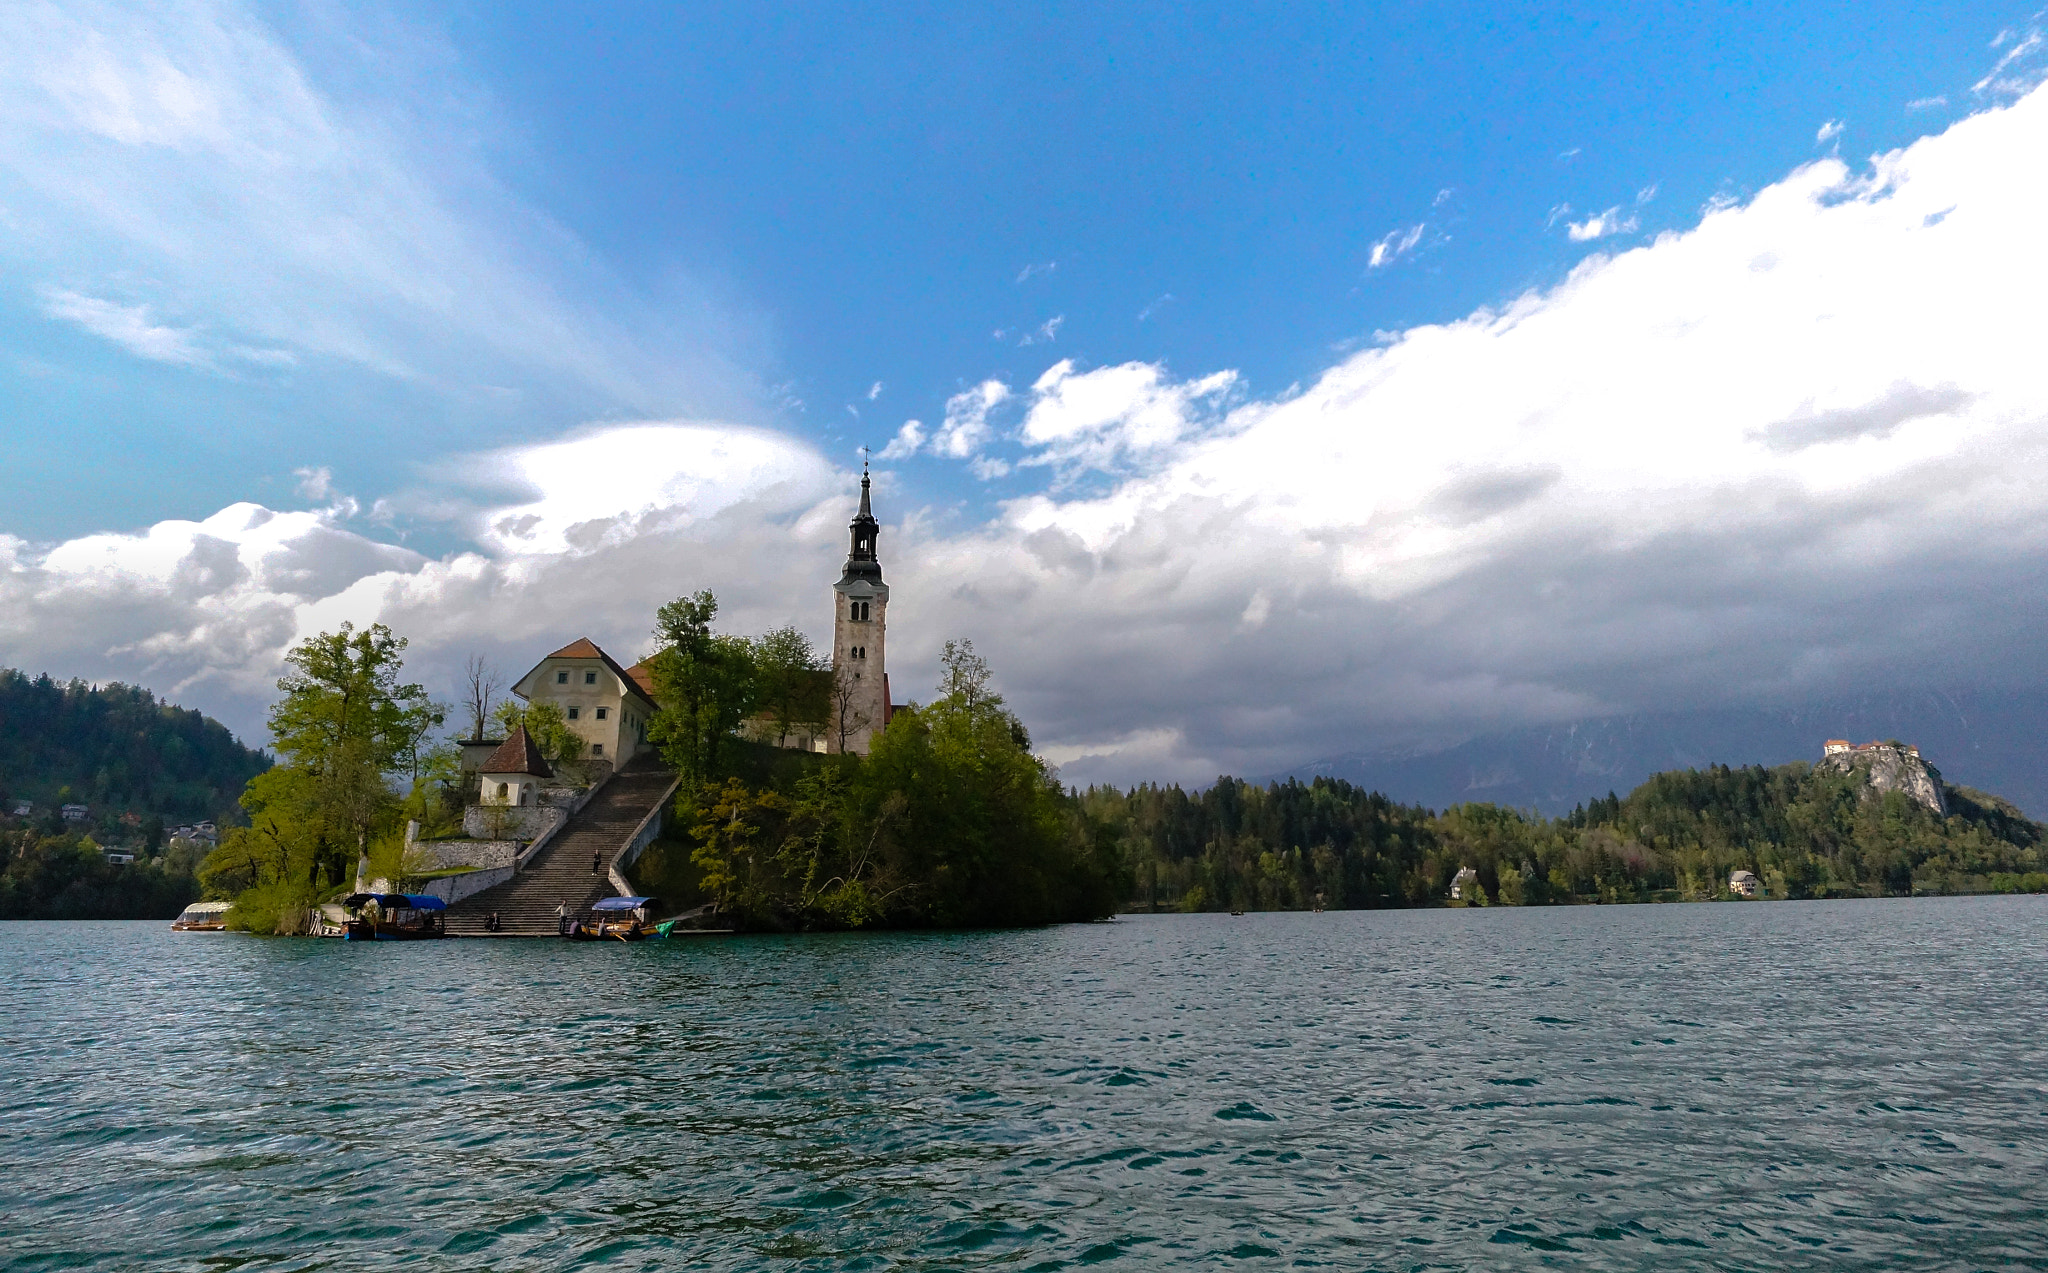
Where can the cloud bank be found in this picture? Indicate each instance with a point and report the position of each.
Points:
(1795, 449)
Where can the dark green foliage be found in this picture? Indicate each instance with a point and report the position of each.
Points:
(69, 877)
(1676, 837)
(117, 749)
(706, 683)
(950, 821)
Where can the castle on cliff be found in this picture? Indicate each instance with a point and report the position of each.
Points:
(1887, 766)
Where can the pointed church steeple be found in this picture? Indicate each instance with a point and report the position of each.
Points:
(860, 676)
(861, 559)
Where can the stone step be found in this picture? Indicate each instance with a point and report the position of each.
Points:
(561, 875)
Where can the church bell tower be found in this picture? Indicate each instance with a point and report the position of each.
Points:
(860, 681)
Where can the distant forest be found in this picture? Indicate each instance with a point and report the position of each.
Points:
(1805, 834)
(137, 765)
(117, 749)
(68, 876)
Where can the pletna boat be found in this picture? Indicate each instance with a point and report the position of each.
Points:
(202, 917)
(394, 917)
(611, 919)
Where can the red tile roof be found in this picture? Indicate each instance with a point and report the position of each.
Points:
(643, 676)
(517, 755)
(585, 648)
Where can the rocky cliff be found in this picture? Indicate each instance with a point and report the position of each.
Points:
(1891, 767)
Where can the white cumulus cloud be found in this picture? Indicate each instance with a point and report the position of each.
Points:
(1799, 447)
(1602, 224)
(1096, 419)
(966, 427)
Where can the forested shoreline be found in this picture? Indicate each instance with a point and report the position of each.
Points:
(952, 821)
(132, 767)
(1677, 837)
(117, 749)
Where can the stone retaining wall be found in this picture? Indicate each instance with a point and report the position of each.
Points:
(518, 822)
(443, 854)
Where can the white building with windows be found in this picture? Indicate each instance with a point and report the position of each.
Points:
(515, 773)
(608, 706)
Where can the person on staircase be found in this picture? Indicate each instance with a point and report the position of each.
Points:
(596, 860)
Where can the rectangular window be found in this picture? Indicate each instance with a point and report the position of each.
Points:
(590, 678)
(601, 712)
(597, 749)
(561, 678)
(573, 711)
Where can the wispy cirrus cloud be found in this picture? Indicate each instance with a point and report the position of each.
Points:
(129, 326)
(1044, 334)
(187, 160)
(2019, 68)
(135, 329)
(1393, 245)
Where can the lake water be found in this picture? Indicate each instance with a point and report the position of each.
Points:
(1757, 1086)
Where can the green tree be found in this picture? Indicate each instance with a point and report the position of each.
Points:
(706, 684)
(545, 725)
(793, 683)
(346, 721)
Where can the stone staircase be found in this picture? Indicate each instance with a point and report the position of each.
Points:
(560, 874)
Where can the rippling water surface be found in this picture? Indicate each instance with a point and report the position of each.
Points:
(1828, 1085)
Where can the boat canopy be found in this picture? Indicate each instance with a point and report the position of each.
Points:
(623, 903)
(396, 901)
(208, 908)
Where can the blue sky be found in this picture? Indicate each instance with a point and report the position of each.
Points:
(455, 297)
(835, 197)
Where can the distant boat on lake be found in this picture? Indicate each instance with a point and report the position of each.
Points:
(202, 917)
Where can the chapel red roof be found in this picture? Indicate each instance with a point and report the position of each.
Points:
(517, 755)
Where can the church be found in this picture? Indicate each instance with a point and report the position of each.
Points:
(610, 706)
(860, 674)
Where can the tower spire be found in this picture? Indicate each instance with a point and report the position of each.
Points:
(861, 559)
